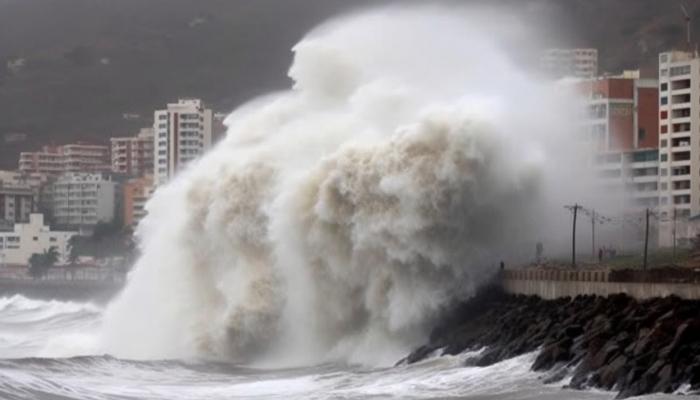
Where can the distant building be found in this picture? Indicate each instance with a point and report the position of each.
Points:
(679, 142)
(81, 200)
(136, 194)
(76, 157)
(620, 124)
(133, 155)
(577, 63)
(19, 196)
(17, 247)
(16, 204)
(183, 132)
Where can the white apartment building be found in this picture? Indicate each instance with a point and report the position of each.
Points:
(133, 155)
(630, 178)
(183, 132)
(75, 157)
(579, 63)
(82, 200)
(679, 141)
(17, 246)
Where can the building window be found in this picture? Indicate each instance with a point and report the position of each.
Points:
(664, 72)
(664, 143)
(664, 114)
(664, 128)
(664, 87)
(642, 134)
(162, 117)
(683, 70)
(664, 100)
(663, 59)
(35, 238)
(664, 157)
(664, 186)
(664, 172)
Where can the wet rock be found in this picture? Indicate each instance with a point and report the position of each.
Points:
(615, 343)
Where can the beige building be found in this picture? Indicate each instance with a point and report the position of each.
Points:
(81, 200)
(17, 246)
(183, 132)
(133, 155)
(75, 157)
(136, 194)
(679, 141)
(577, 63)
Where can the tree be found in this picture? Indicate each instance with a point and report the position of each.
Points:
(40, 263)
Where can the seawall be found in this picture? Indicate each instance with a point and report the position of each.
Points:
(97, 291)
(553, 284)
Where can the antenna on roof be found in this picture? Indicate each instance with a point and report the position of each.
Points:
(687, 27)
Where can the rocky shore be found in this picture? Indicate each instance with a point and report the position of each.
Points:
(615, 343)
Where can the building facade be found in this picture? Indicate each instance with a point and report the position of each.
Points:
(136, 194)
(17, 246)
(577, 63)
(81, 200)
(679, 141)
(183, 132)
(133, 155)
(16, 204)
(76, 157)
(620, 126)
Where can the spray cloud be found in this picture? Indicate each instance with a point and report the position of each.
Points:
(337, 220)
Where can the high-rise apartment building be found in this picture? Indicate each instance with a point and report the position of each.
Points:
(75, 157)
(133, 155)
(81, 200)
(679, 141)
(621, 124)
(578, 63)
(183, 132)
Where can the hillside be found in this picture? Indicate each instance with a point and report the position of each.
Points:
(87, 62)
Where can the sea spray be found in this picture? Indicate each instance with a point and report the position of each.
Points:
(338, 219)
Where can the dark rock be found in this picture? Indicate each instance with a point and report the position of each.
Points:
(634, 347)
(612, 372)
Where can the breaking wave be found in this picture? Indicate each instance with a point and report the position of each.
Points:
(338, 219)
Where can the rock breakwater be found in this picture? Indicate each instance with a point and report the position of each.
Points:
(615, 343)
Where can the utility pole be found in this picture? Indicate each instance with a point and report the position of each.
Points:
(575, 209)
(646, 240)
(593, 233)
(674, 235)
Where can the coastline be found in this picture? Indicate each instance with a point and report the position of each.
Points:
(616, 343)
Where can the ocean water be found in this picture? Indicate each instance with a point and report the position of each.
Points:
(29, 328)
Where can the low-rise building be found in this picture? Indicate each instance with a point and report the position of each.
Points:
(81, 200)
(75, 157)
(136, 194)
(17, 246)
(133, 155)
